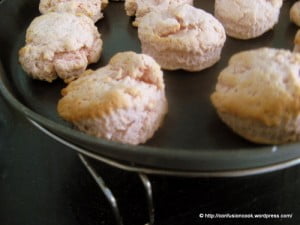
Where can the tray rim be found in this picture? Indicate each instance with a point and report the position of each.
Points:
(157, 155)
(153, 171)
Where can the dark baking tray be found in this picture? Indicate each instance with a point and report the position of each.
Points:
(192, 137)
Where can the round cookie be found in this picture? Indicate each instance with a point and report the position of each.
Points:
(60, 45)
(183, 37)
(246, 19)
(90, 8)
(140, 8)
(258, 95)
(295, 13)
(124, 101)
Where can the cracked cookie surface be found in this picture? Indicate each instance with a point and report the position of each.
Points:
(258, 95)
(140, 8)
(244, 19)
(60, 45)
(124, 101)
(90, 8)
(182, 37)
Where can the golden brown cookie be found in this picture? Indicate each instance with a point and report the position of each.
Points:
(124, 101)
(258, 95)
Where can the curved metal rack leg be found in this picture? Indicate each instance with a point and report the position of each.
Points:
(106, 191)
(148, 188)
(112, 200)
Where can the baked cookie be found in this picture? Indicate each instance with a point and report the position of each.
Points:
(90, 8)
(258, 95)
(124, 101)
(60, 45)
(246, 19)
(297, 42)
(140, 8)
(295, 13)
(183, 37)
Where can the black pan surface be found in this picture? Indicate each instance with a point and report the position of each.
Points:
(192, 137)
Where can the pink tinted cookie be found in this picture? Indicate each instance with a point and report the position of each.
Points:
(140, 8)
(246, 19)
(183, 37)
(60, 45)
(124, 101)
(90, 8)
(258, 95)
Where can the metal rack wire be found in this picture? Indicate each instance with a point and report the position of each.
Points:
(144, 172)
(145, 181)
